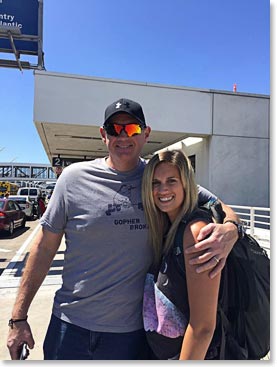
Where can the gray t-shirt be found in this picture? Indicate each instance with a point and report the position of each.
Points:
(107, 257)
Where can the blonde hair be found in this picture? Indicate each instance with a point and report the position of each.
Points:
(161, 231)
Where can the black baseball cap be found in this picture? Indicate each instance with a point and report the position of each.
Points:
(127, 106)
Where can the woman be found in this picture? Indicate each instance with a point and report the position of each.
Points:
(41, 206)
(180, 306)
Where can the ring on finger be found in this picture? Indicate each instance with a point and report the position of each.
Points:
(216, 259)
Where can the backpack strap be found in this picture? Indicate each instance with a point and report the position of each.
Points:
(197, 214)
(214, 207)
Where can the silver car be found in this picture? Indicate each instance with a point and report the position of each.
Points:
(25, 203)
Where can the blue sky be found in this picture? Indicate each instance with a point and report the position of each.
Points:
(201, 44)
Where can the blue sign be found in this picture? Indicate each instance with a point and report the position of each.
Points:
(22, 14)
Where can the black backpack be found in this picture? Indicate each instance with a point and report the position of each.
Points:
(244, 298)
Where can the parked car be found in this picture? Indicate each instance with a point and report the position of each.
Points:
(25, 203)
(11, 216)
(32, 192)
(50, 186)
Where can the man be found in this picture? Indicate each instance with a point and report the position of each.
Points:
(97, 206)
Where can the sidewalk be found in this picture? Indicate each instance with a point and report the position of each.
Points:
(40, 310)
(41, 307)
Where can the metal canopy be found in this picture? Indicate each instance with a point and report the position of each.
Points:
(84, 142)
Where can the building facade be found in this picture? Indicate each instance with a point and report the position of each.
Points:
(232, 159)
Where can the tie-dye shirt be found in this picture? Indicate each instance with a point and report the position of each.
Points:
(166, 306)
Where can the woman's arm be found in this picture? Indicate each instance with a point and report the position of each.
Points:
(203, 298)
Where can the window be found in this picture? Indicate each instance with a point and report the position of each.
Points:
(192, 159)
(12, 205)
(33, 192)
(24, 192)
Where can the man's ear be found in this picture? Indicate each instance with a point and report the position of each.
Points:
(103, 134)
(147, 132)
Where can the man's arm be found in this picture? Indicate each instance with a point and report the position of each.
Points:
(220, 242)
(44, 248)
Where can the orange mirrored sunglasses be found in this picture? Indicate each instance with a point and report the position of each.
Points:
(115, 129)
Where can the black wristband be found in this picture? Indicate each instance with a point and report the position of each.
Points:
(13, 321)
(240, 228)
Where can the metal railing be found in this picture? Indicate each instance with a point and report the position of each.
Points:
(253, 217)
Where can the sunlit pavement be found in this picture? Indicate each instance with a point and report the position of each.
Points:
(41, 307)
(40, 310)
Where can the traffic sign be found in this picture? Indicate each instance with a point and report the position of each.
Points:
(64, 162)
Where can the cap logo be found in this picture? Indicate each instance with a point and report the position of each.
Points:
(118, 104)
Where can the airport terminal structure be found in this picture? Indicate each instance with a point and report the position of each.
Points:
(231, 156)
(229, 130)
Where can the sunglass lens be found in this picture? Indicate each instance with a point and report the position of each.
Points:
(132, 129)
(118, 128)
(114, 129)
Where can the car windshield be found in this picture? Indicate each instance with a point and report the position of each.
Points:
(50, 187)
(2, 204)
